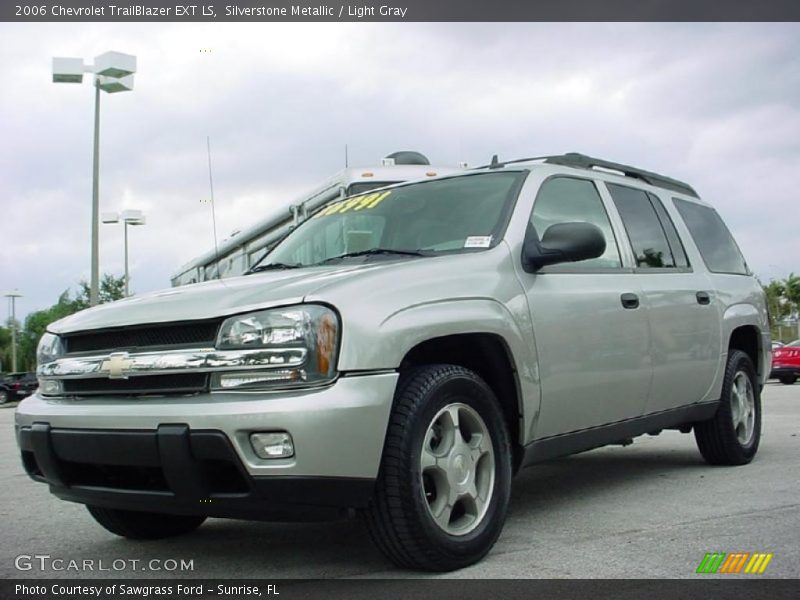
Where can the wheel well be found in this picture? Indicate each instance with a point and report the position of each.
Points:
(745, 338)
(487, 355)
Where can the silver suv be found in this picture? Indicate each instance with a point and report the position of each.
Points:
(403, 353)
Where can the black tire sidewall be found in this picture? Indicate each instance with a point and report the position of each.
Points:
(742, 362)
(477, 395)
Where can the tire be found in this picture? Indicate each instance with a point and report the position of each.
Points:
(3, 396)
(144, 525)
(728, 438)
(787, 379)
(469, 468)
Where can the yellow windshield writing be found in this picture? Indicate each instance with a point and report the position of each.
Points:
(355, 203)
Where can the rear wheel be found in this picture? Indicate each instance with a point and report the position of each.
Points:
(787, 379)
(442, 492)
(731, 436)
(144, 525)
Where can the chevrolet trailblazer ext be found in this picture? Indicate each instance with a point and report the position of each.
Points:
(403, 352)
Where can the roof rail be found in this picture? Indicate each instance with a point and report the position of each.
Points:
(581, 161)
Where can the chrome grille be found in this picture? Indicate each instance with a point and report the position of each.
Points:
(91, 349)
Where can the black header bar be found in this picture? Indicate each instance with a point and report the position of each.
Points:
(401, 589)
(398, 10)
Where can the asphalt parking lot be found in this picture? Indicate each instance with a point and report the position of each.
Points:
(652, 509)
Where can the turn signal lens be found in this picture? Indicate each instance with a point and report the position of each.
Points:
(245, 379)
(50, 387)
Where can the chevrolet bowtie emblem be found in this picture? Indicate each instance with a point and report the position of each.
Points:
(116, 364)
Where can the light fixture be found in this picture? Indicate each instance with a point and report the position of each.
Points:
(272, 445)
(128, 217)
(113, 72)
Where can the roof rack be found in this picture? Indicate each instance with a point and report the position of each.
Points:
(581, 161)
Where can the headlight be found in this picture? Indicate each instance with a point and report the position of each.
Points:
(50, 348)
(302, 340)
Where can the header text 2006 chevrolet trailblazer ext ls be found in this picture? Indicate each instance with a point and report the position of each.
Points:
(403, 353)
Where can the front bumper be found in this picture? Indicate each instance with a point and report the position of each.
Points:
(191, 454)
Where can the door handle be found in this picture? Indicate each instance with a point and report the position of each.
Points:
(629, 300)
(703, 298)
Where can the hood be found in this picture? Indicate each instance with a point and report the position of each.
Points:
(217, 298)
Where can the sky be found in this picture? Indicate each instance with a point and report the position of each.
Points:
(716, 105)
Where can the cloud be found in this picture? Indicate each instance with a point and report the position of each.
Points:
(714, 104)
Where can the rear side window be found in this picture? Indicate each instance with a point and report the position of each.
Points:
(672, 234)
(713, 240)
(645, 229)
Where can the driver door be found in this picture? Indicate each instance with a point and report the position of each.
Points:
(591, 332)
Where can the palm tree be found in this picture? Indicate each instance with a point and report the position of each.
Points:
(791, 293)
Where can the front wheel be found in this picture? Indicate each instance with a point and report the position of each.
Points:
(787, 379)
(144, 525)
(444, 484)
(731, 436)
(3, 396)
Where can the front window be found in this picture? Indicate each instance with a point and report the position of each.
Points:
(458, 214)
(567, 199)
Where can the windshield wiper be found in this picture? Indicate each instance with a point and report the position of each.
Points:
(272, 267)
(375, 252)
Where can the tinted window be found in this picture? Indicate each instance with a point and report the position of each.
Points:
(457, 214)
(674, 240)
(648, 240)
(713, 240)
(564, 200)
(365, 186)
(257, 255)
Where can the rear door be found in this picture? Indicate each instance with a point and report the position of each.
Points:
(682, 312)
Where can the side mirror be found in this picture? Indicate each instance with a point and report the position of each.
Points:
(562, 242)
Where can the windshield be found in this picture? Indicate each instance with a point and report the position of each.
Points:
(365, 186)
(458, 214)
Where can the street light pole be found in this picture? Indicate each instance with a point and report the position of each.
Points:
(112, 72)
(94, 287)
(128, 217)
(127, 277)
(12, 297)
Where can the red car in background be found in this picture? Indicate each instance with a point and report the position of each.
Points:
(786, 363)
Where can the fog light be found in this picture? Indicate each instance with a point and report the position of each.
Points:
(272, 445)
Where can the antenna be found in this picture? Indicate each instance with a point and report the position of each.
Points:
(213, 210)
(345, 157)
